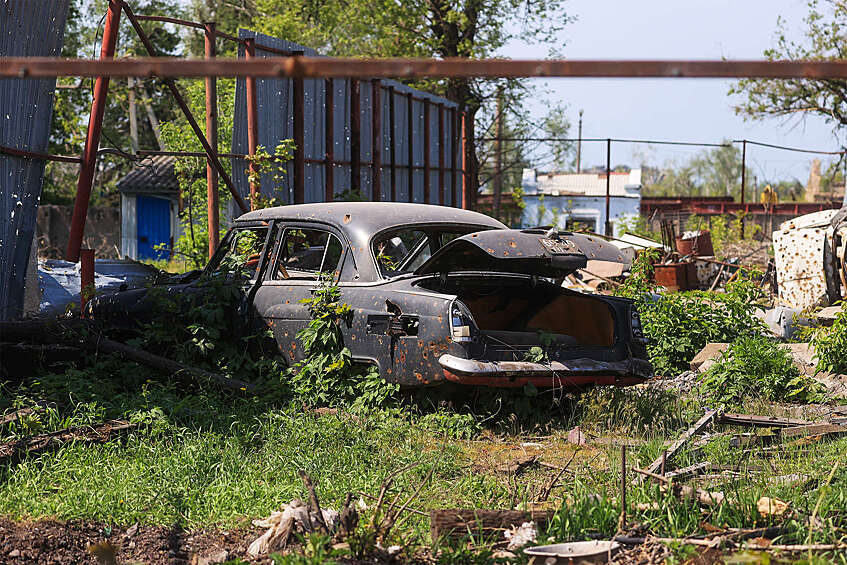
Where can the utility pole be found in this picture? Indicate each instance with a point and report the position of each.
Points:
(133, 117)
(743, 180)
(498, 155)
(579, 145)
(608, 181)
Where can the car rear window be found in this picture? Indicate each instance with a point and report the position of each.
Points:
(403, 250)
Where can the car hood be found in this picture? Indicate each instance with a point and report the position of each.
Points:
(531, 252)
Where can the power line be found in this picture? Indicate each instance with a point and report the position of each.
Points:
(796, 149)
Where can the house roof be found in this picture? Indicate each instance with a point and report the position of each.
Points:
(152, 175)
(589, 184)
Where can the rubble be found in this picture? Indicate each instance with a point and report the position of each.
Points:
(294, 518)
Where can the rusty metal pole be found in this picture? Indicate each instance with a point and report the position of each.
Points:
(212, 138)
(92, 138)
(86, 276)
(392, 138)
(441, 183)
(376, 140)
(299, 139)
(411, 125)
(608, 183)
(329, 129)
(455, 142)
(355, 137)
(252, 121)
(743, 181)
(465, 174)
(427, 150)
(623, 486)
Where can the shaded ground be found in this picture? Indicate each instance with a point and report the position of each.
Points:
(52, 542)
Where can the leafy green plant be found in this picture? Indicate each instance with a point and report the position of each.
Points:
(679, 324)
(831, 345)
(327, 375)
(757, 367)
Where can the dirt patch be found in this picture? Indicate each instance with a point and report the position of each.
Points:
(52, 542)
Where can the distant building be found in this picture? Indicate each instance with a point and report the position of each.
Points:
(578, 200)
(150, 209)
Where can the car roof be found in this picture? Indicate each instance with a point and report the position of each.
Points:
(371, 217)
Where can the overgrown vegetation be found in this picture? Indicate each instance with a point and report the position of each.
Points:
(680, 324)
(830, 345)
(757, 367)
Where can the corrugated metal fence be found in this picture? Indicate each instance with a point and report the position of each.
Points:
(28, 28)
(413, 127)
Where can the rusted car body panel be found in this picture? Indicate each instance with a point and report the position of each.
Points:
(465, 311)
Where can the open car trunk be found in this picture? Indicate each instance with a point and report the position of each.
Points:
(585, 339)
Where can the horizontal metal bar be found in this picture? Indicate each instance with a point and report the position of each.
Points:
(299, 66)
(187, 23)
(33, 155)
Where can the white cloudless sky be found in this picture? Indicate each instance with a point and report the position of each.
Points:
(676, 109)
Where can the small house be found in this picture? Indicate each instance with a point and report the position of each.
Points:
(149, 209)
(577, 201)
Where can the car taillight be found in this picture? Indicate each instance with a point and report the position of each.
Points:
(462, 327)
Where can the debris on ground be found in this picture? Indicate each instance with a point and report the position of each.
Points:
(295, 518)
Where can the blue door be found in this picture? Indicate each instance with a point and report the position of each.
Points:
(153, 219)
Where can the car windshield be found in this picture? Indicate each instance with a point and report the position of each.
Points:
(403, 250)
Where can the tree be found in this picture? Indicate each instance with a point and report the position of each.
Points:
(824, 38)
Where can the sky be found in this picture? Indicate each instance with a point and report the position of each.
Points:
(676, 109)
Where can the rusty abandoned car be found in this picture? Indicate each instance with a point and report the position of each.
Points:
(439, 294)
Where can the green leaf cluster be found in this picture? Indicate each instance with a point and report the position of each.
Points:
(757, 367)
(830, 345)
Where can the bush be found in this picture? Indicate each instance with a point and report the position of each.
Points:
(831, 345)
(680, 324)
(757, 366)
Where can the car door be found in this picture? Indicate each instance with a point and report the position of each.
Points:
(302, 252)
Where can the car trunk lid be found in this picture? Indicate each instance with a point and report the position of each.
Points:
(531, 252)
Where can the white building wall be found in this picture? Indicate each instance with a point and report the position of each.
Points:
(561, 208)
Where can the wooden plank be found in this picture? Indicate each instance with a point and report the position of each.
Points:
(459, 522)
(755, 421)
(672, 448)
(814, 430)
(691, 470)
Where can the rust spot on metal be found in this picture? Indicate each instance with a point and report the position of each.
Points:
(347, 218)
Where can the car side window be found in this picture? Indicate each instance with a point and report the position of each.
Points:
(306, 252)
(242, 254)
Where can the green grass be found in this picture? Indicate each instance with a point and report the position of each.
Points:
(202, 458)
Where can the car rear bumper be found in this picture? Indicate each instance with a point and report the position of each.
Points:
(571, 374)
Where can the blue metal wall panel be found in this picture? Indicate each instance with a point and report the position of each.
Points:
(276, 123)
(28, 28)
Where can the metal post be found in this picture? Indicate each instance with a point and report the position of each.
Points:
(455, 142)
(86, 276)
(299, 139)
(579, 145)
(427, 149)
(466, 205)
(623, 485)
(355, 139)
(498, 156)
(92, 138)
(212, 138)
(183, 106)
(376, 140)
(743, 180)
(608, 181)
(410, 118)
(252, 122)
(441, 183)
(392, 139)
(329, 127)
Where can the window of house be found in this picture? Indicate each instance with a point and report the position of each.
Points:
(305, 253)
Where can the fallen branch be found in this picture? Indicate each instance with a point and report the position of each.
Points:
(313, 500)
(100, 433)
(755, 421)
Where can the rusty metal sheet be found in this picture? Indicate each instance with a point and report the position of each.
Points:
(802, 265)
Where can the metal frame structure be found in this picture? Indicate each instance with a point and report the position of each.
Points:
(298, 67)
